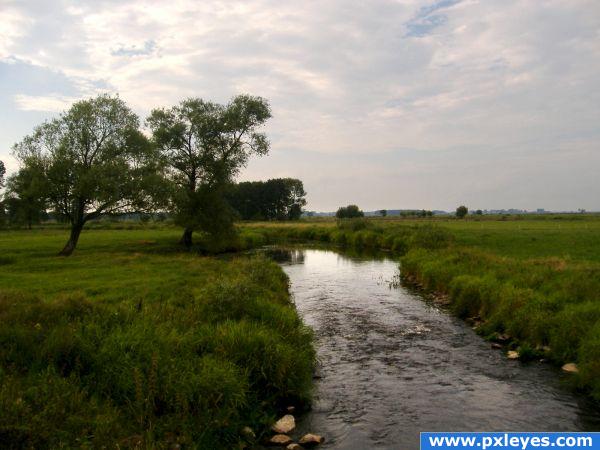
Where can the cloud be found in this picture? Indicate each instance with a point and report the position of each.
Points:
(471, 81)
(50, 103)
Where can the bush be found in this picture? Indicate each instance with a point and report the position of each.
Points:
(349, 212)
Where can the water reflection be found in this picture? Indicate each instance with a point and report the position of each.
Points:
(285, 255)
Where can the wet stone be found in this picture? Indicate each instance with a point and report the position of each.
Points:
(284, 425)
(280, 439)
(311, 440)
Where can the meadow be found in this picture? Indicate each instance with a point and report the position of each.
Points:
(132, 343)
(533, 281)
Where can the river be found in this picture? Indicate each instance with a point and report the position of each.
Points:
(391, 364)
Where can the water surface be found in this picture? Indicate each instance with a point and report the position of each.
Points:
(392, 364)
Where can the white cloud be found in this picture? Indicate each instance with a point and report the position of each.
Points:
(49, 103)
(13, 25)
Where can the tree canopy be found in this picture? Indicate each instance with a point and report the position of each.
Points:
(275, 199)
(205, 145)
(94, 161)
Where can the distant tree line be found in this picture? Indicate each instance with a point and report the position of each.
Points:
(93, 160)
(275, 199)
(416, 213)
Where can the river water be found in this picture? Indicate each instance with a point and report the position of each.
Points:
(391, 364)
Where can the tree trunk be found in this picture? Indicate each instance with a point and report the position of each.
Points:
(186, 239)
(72, 242)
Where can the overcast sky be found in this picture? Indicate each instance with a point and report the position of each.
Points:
(387, 104)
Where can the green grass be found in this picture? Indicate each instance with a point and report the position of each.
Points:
(569, 236)
(537, 279)
(132, 343)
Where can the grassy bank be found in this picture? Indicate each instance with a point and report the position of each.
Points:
(132, 343)
(536, 280)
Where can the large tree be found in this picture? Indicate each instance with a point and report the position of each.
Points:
(94, 160)
(206, 144)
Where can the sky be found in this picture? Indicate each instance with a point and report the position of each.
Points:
(386, 104)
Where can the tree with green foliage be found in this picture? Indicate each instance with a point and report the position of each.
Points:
(383, 212)
(479, 212)
(94, 161)
(275, 199)
(349, 212)
(25, 196)
(461, 212)
(205, 145)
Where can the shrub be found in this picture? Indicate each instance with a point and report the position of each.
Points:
(349, 212)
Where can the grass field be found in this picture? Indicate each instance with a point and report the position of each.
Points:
(572, 237)
(536, 279)
(132, 343)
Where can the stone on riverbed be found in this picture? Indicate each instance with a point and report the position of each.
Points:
(284, 425)
(311, 440)
(512, 354)
(280, 439)
(294, 446)
(501, 338)
(570, 368)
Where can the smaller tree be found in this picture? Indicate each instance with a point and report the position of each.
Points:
(383, 212)
(349, 212)
(25, 196)
(479, 212)
(462, 211)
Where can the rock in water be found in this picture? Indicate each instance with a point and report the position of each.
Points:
(310, 440)
(294, 447)
(280, 439)
(570, 368)
(511, 354)
(284, 425)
